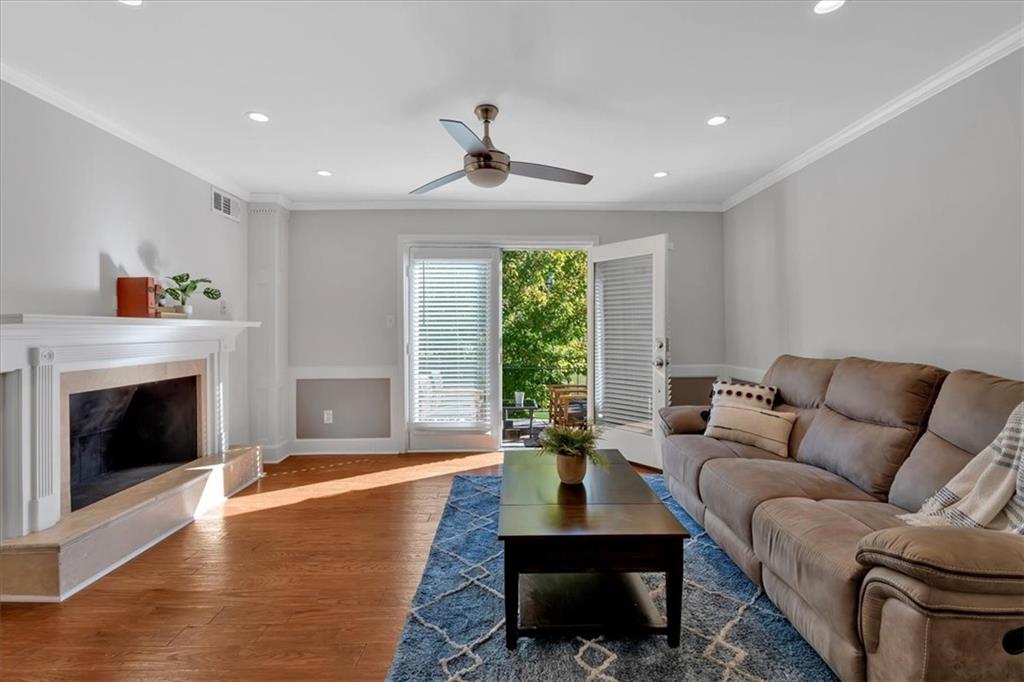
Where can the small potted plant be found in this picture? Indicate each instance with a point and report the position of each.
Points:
(183, 288)
(572, 448)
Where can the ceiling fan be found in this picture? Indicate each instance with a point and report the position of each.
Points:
(486, 166)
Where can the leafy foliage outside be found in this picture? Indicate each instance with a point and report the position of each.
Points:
(544, 321)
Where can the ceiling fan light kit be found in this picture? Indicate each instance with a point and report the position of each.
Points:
(486, 166)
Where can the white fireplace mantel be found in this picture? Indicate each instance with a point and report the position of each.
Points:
(36, 349)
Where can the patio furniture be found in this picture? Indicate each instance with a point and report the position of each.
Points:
(568, 404)
(529, 405)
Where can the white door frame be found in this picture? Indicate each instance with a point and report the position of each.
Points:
(407, 242)
(637, 447)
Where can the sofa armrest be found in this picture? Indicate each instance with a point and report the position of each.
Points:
(683, 419)
(915, 631)
(958, 559)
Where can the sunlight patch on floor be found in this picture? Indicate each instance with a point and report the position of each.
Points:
(279, 498)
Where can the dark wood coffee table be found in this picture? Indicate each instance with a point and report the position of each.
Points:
(573, 553)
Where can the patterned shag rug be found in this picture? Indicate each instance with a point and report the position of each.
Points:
(456, 627)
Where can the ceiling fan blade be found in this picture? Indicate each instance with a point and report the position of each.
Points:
(466, 138)
(542, 172)
(440, 182)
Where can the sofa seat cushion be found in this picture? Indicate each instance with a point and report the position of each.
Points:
(812, 547)
(733, 488)
(684, 455)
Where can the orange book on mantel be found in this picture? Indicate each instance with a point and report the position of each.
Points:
(136, 297)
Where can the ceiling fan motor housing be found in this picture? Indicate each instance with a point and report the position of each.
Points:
(487, 171)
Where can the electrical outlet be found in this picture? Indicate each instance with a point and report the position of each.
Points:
(328, 416)
(389, 321)
(225, 309)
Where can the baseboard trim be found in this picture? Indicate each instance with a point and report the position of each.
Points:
(277, 458)
(274, 453)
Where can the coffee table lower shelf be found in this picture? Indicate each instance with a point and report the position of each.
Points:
(557, 604)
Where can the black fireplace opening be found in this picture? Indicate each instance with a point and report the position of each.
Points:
(125, 435)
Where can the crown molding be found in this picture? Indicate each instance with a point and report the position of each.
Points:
(417, 205)
(51, 95)
(271, 198)
(989, 53)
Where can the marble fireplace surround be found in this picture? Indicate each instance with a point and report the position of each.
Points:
(45, 358)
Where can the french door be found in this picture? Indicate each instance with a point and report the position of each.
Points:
(453, 341)
(628, 349)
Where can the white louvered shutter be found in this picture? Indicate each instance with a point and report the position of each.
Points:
(623, 342)
(452, 340)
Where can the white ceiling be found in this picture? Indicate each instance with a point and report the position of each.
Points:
(619, 90)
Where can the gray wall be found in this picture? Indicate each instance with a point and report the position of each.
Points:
(343, 274)
(81, 207)
(905, 244)
(362, 408)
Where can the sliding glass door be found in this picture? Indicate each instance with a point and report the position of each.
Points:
(453, 345)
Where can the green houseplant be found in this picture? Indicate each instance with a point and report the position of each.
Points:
(183, 288)
(572, 448)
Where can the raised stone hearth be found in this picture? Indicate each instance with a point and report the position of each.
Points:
(114, 435)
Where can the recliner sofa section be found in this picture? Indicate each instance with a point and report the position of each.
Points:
(820, 532)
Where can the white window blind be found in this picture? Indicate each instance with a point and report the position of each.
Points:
(451, 341)
(624, 342)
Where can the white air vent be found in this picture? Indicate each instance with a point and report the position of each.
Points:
(225, 204)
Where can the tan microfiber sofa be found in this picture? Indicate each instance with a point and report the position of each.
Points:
(819, 531)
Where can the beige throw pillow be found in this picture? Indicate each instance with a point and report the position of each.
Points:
(763, 429)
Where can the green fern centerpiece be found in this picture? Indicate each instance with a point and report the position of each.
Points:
(571, 442)
(573, 448)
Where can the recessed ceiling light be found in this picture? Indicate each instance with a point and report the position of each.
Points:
(826, 6)
(661, 174)
(324, 173)
(130, 3)
(258, 117)
(717, 120)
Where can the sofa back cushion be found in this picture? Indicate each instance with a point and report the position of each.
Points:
(873, 414)
(802, 383)
(969, 413)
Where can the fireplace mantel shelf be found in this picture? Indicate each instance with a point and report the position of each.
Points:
(29, 339)
(41, 321)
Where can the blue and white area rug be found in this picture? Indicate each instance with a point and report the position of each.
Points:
(456, 628)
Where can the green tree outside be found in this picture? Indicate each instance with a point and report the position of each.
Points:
(544, 321)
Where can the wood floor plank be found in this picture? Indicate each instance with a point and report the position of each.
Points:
(307, 574)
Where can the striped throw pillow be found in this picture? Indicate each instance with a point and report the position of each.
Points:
(762, 428)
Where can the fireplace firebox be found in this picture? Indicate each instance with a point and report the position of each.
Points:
(124, 435)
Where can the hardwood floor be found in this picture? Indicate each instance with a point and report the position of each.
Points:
(307, 574)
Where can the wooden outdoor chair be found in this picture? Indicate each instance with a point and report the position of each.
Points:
(563, 398)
